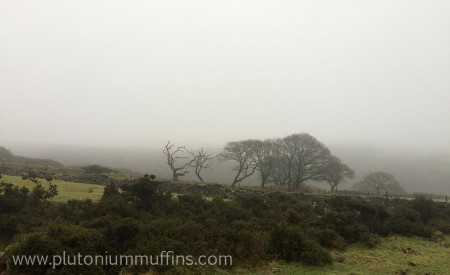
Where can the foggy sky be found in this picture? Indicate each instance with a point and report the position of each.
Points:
(137, 73)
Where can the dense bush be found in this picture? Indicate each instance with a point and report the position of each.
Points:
(314, 254)
(287, 242)
(56, 239)
(327, 238)
(290, 243)
(369, 239)
(139, 219)
(406, 221)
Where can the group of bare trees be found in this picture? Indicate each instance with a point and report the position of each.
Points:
(290, 161)
(180, 159)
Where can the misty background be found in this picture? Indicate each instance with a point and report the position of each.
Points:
(109, 82)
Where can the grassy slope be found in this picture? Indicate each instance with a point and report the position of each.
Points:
(66, 190)
(57, 170)
(66, 170)
(387, 258)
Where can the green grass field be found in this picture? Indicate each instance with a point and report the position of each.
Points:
(65, 170)
(66, 190)
(386, 258)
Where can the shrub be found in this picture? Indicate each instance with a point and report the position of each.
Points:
(345, 223)
(327, 238)
(287, 242)
(369, 239)
(406, 221)
(426, 207)
(55, 239)
(253, 203)
(313, 254)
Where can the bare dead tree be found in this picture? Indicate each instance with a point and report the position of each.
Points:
(173, 160)
(240, 152)
(201, 160)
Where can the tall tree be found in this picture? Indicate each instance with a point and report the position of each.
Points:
(241, 153)
(263, 154)
(301, 158)
(336, 172)
(382, 181)
(5, 154)
(283, 164)
(201, 160)
(176, 161)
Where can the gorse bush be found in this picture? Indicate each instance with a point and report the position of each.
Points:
(56, 238)
(327, 238)
(139, 219)
(369, 239)
(290, 243)
(287, 242)
(314, 254)
(406, 221)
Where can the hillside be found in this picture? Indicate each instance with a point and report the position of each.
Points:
(66, 190)
(427, 172)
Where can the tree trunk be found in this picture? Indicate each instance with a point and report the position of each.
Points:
(236, 179)
(175, 176)
(263, 183)
(198, 176)
(333, 187)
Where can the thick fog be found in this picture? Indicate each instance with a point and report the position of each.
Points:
(134, 74)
